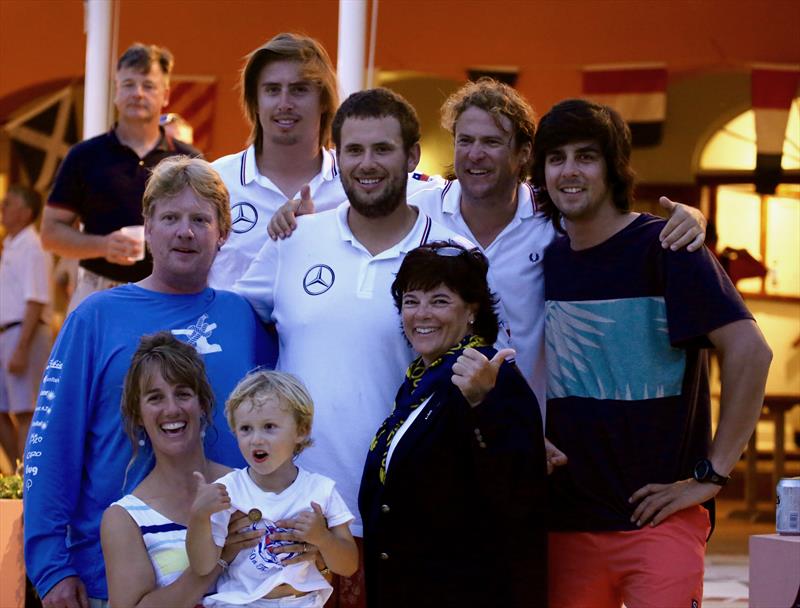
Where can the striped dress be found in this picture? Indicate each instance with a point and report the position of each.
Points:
(164, 540)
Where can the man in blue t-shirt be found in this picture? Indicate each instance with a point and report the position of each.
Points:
(78, 459)
(626, 328)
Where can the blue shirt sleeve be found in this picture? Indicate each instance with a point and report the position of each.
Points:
(54, 455)
(266, 343)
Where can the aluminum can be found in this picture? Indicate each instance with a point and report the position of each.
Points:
(787, 506)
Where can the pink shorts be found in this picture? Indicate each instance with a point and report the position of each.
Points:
(651, 567)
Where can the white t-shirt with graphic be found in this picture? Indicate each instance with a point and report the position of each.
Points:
(255, 573)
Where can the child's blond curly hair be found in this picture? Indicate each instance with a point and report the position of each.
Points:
(257, 386)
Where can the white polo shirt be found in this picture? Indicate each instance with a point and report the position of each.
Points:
(516, 268)
(254, 200)
(339, 331)
(25, 270)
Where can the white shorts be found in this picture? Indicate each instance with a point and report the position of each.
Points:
(310, 600)
(18, 393)
(86, 284)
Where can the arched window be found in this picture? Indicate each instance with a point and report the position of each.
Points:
(767, 226)
(733, 147)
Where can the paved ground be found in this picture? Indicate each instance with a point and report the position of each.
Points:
(727, 576)
(726, 581)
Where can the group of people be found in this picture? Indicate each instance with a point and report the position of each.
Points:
(225, 486)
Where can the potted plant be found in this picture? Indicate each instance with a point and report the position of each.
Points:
(12, 565)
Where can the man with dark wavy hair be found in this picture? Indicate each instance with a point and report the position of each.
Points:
(101, 180)
(627, 323)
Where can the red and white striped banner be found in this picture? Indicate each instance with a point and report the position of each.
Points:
(194, 98)
(773, 87)
(637, 91)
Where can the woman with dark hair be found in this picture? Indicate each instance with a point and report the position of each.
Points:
(453, 490)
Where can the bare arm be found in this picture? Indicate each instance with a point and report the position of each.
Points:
(339, 550)
(744, 363)
(60, 236)
(18, 362)
(130, 576)
(744, 358)
(200, 546)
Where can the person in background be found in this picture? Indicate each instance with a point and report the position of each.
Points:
(101, 180)
(25, 308)
(177, 127)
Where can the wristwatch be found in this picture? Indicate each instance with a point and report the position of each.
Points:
(704, 473)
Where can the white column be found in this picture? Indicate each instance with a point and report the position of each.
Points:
(98, 73)
(373, 37)
(352, 42)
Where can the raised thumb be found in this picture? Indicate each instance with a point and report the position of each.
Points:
(666, 203)
(502, 355)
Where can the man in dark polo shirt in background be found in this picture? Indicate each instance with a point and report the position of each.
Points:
(101, 181)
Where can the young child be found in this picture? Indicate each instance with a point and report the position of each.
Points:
(271, 414)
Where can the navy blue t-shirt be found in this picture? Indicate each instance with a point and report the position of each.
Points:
(627, 388)
(102, 181)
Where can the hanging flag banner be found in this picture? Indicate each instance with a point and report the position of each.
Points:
(773, 87)
(194, 98)
(637, 91)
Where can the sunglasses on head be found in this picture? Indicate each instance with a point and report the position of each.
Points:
(448, 251)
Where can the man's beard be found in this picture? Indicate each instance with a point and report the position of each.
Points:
(392, 197)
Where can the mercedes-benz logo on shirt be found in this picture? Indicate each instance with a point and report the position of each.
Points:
(318, 279)
(243, 217)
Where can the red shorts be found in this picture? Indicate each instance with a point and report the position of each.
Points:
(651, 567)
